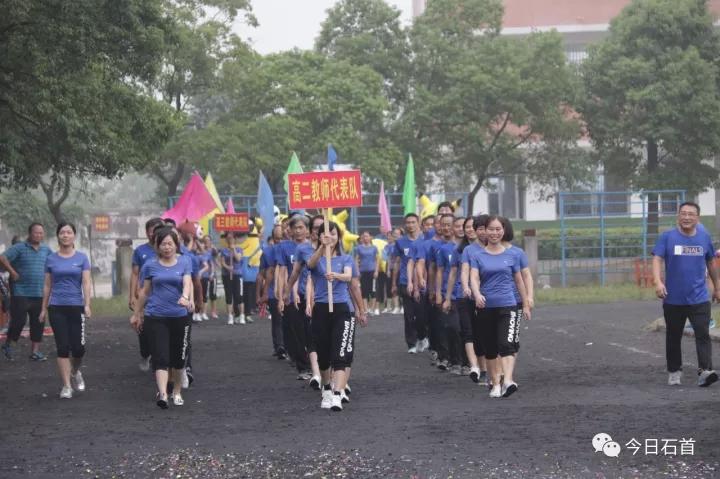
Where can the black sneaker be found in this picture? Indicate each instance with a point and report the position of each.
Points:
(706, 378)
(443, 365)
(161, 402)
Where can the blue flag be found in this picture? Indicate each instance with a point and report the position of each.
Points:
(265, 206)
(332, 158)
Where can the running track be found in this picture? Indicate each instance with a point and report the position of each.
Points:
(582, 370)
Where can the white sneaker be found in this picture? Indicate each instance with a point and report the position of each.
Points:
(387, 310)
(396, 311)
(178, 400)
(674, 379)
(184, 379)
(327, 399)
(412, 350)
(336, 402)
(230, 320)
(377, 312)
(315, 383)
(706, 378)
(196, 318)
(496, 392)
(426, 344)
(420, 346)
(145, 364)
(344, 398)
(242, 319)
(475, 375)
(205, 317)
(79, 381)
(66, 393)
(402, 310)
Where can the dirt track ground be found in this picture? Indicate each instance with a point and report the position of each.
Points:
(582, 370)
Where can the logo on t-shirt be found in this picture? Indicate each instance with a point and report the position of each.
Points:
(682, 250)
(406, 251)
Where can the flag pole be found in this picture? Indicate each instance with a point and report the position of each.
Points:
(328, 259)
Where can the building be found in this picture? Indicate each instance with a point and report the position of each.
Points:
(581, 23)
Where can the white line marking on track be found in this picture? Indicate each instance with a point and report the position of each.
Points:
(635, 350)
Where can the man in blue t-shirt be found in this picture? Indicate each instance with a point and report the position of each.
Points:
(688, 254)
(25, 261)
(414, 332)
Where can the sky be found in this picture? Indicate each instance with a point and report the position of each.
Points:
(286, 24)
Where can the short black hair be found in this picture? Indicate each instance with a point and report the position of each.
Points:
(446, 204)
(411, 215)
(33, 225)
(62, 225)
(480, 220)
(164, 232)
(152, 223)
(690, 203)
(169, 221)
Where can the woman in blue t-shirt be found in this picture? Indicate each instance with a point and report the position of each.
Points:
(333, 332)
(494, 273)
(165, 303)
(231, 260)
(66, 302)
(527, 278)
(368, 262)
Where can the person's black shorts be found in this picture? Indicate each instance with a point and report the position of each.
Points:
(366, 284)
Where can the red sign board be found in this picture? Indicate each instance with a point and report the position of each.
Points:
(325, 189)
(101, 223)
(232, 222)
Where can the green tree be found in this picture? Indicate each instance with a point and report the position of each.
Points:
(653, 108)
(297, 101)
(70, 104)
(369, 33)
(194, 50)
(486, 105)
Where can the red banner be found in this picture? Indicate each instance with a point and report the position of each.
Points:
(102, 223)
(232, 222)
(325, 189)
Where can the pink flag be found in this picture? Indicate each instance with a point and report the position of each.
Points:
(230, 207)
(194, 203)
(385, 223)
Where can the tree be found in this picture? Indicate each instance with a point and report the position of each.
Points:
(297, 101)
(369, 33)
(194, 51)
(653, 105)
(70, 105)
(489, 105)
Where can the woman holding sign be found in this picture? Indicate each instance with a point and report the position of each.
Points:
(333, 325)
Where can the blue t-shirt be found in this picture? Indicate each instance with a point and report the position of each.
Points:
(229, 257)
(66, 278)
(471, 251)
(206, 258)
(194, 261)
(267, 260)
(30, 265)
(686, 260)
(402, 250)
(497, 277)
(143, 253)
(367, 256)
(430, 234)
(340, 288)
(285, 254)
(523, 262)
(389, 256)
(302, 254)
(432, 249)
(167, 287)
(447, 257)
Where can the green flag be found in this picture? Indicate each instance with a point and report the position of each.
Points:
(293, 167)
(409, 200)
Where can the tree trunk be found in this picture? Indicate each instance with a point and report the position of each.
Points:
(473, 194)
(51, 188)
(652, 198)
(173, 181)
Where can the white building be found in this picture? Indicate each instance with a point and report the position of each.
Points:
(581, 23)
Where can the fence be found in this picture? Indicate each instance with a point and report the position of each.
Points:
(605, 236)
(363, 218)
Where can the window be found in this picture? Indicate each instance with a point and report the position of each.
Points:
(506, 196)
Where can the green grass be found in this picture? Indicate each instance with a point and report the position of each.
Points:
(593, 294)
